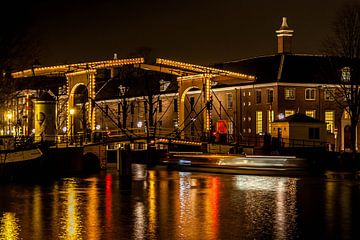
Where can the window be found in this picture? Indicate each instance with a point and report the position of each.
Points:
(270, 95)
(160, 105)
(314, 133)
(230, 127)
(330, 120)
(164, 85)
(175, 105)
(249, 93)
(259, 122)
(345, 74)
(289, 113)
(289, 93)
(310, 113)
(229, 100)
(258, 96)
(310, 94)
(270, 119)
(329, 94)
(192, 102)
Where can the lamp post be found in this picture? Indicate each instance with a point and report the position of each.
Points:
(72, 112)
(9, 116)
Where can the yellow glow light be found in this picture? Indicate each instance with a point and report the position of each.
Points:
(202, 69)
(62, 69)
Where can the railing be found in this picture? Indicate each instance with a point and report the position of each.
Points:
(274, 142)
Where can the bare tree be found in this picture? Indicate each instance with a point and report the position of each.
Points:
(343, 49)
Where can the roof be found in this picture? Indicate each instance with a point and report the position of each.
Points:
(299, 118)
(292, 68)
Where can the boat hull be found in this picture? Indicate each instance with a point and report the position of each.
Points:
(21, 163)
(238, 164)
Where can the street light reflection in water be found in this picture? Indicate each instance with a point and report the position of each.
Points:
(9, 226)
(159, 204)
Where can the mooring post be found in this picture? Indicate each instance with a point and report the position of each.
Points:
(124, 160)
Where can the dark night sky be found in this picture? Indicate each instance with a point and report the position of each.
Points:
(196, 31)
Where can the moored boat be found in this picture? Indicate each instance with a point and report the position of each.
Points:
(18, 161)
(237, 164)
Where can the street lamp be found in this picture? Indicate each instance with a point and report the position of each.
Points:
(9, 116)
(72, 112)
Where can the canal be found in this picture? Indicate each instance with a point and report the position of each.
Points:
(157, 204)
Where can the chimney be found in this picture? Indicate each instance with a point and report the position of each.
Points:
(284, 36)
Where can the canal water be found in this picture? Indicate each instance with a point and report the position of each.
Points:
(157, 204)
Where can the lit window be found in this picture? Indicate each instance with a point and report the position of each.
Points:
(229, 101)
(330, 120)
(270, 119)
(249, 119)
(310, 113)
(244, 104)
(249, 130)
(249, 103)
(164, 85)
(310, 94)
(329, 94)
(244, 119)
(258, 96)
(270, 95)
(346, 115)
(244, 130)
(259, 122)
(289, 93)
(230, 127)
(249, 94)
(244, 94)
(289, 113)
(345, 74)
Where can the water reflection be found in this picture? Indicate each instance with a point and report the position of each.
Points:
(71, 222)
(9, 226)
(173, 205)
(92, 220)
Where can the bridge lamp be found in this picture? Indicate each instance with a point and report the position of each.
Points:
(139, 124)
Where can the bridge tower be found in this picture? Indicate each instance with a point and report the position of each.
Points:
(202, 82)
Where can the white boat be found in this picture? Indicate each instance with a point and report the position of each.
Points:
(227, 163)
(24, 160)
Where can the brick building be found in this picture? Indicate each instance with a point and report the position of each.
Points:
(286, 84)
